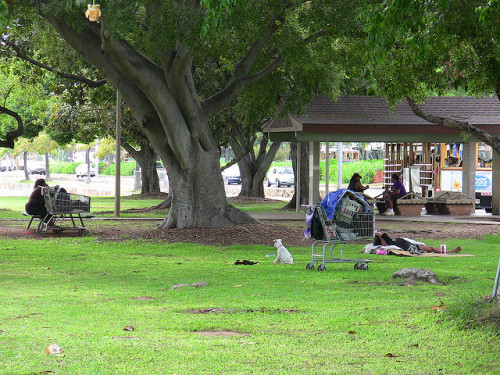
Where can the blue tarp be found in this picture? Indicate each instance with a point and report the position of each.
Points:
(331, 201)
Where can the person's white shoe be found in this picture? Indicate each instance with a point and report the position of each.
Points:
(389, 212)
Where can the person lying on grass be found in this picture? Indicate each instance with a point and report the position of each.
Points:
(407, 245)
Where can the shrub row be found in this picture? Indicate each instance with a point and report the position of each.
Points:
(366, 168)
(126, 168)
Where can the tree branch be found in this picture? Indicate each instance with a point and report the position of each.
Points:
(463, 126)
(238, 83)
(73, 77)
(240, 79)
(151, 80)
(243, 66)
(12, 136)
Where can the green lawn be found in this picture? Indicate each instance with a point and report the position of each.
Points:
(81, 292)
(12, 207)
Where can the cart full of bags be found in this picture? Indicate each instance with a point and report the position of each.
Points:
(341, 217)
(65, 211)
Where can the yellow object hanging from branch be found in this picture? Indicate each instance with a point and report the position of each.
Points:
(93, 12)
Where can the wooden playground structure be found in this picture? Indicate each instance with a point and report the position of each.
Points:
(432, 173)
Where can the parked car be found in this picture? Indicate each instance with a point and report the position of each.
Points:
(82, 170)
(231, 175)
(281, 176)
(36, 168)
(6, 165)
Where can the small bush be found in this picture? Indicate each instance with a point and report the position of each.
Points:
(69, 168)
(63, 167)
(127, 168)
(366, 168)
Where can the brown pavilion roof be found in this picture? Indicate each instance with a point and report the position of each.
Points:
(367, 118)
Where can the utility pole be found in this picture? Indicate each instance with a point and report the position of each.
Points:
(118, 146)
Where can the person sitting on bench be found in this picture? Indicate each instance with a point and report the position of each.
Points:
(356, 185)
(414, 248)
(36, 203)
(390, 197)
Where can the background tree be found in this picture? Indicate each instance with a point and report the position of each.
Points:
(4, 13)
(253, 152)
(303, 185)
(44, 145)
(90, 114)
(422, 48)
(28, 100)
(21, 147)
(151, 51)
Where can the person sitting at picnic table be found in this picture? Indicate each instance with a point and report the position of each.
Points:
(407, 244)
(36, 203)
(390, 197)
(355, 184)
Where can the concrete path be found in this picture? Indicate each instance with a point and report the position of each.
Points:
(480, 217)
(104, 185)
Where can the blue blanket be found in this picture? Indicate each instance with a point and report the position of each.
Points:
(331, 201)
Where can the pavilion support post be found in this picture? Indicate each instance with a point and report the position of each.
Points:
(469, 163)
(339, 165)
(118, 147)
(412, 154)
(495, 199)
(398, 155)
(298, 178)
(327, 168)
(314, 172)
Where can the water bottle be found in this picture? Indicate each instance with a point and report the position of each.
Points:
(442, 248)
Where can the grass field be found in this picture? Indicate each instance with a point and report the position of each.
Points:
(12, 207)
(81, 292)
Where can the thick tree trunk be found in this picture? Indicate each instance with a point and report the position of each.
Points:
(146, 158)
(198, 199)
(252, 180)
(164, 101)
(150, 180)
(303, 185)
(253, 168)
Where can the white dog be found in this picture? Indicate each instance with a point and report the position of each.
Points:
(284, 255)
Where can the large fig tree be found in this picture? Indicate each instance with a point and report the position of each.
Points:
(154, 53)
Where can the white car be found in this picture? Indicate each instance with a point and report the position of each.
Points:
(281, 176)
(36, 167)
(231, 175)
(82, 170)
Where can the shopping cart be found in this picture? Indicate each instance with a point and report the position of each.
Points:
(64, 210)
(351, 220)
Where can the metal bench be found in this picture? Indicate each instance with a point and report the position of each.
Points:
(39, 217)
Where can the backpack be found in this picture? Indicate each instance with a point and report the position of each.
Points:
(316, 227)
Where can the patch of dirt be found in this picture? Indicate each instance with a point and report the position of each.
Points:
(263, 233)
(218, 310)
(120, 230)
(220, 333)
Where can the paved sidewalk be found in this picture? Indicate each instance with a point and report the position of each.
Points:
(480, 217)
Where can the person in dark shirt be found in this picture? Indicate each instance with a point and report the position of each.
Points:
(36, 203)
(384, 240)
(355, 184)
